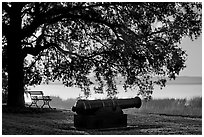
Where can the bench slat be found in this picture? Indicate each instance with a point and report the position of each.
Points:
(35, 92)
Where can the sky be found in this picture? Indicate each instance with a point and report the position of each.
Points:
(194, 59)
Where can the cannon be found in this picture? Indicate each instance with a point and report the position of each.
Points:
(105, 113)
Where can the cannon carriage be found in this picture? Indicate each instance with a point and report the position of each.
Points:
(103, 113)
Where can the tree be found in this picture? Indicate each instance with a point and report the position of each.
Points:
(68, 41)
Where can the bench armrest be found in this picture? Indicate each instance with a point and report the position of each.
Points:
(34, 97)
(46, 97)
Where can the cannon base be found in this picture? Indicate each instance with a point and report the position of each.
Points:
(100, 121)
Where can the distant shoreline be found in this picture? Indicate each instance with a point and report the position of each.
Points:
(168, 83)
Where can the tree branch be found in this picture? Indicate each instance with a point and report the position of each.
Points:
(65, 51)
(29, 30)
(36, 50)
(55, 15)
(33, 63)
(157, 32)
(6, 7)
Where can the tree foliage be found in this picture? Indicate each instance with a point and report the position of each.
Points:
(71, 41)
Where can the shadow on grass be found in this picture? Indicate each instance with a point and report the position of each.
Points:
(6, 109)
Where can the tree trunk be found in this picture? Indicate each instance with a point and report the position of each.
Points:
(15, 61)
(15, 77)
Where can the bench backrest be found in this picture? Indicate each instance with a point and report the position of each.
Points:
(35, 92)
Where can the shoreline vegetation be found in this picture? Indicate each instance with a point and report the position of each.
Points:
(178, 107)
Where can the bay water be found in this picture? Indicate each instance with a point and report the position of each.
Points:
(177, 91)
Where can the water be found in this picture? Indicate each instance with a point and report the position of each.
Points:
(178, 91)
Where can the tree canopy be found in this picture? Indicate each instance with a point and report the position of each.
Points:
(138, 42)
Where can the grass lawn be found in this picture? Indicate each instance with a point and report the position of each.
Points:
(60, 122)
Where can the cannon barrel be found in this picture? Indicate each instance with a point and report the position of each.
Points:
(91, 106)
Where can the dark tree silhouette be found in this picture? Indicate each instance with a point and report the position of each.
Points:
(68, 41)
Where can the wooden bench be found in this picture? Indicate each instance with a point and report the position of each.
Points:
(37, 96)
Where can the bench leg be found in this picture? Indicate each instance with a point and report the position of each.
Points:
(33, 103)
(45, 102)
